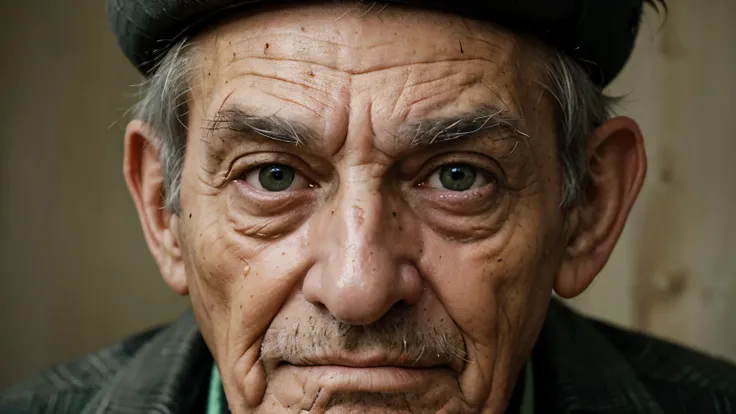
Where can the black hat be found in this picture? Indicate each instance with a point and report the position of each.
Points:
(599, 34)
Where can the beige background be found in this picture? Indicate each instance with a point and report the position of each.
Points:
(75, 273)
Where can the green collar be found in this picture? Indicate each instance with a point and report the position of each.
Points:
(215, 398)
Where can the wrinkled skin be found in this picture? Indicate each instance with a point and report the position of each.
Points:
(367, 286)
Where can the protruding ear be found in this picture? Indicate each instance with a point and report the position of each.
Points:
(144, 177)
(616, 167)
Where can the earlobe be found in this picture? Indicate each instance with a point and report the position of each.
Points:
(174, 275)
(144, 178)
(616, 170)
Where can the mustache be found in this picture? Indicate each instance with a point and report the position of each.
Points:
(397, 337)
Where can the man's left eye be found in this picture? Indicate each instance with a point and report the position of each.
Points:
(457, 177)
(275, 178)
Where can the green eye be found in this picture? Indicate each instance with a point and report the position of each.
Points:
(275, 177)
(457, 177)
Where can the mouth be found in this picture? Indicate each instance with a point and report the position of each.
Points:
(369, 378)
(373, 360)
(368, 373)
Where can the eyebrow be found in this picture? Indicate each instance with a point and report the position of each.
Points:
(483, 119)
(274, 127)
(420, 133)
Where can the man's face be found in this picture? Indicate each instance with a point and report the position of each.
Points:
(385, 262)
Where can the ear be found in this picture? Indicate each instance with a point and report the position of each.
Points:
(143, 175)
(616, 170)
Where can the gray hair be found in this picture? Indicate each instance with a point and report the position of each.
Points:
(579, 107)
(164, 105)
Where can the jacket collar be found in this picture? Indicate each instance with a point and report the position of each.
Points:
(583, 371)
(166, 375)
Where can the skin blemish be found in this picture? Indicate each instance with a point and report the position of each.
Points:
(393, 214)
(303, 30)
(190, 215)
(311, 74)
(246, 270)
(265, 48)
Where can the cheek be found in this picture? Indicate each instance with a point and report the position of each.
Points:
(226, 250)
(471, 282)
(218, 258)
(237, 286)
(215, 264)
(496, 290)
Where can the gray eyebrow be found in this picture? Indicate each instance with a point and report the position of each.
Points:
(421, 133)
(486, 118)
(241, 121)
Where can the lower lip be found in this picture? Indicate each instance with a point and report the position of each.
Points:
(390, 379)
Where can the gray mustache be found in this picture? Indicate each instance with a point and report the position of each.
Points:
(397, 337)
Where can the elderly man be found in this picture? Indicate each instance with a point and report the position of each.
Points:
(370, 206)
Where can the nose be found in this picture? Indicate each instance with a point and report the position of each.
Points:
(364, 267)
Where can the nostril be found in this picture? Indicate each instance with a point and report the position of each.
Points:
(319, 306)
(400, 307)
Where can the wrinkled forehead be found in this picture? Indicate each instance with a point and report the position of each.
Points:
(333, 31)
(348, 41)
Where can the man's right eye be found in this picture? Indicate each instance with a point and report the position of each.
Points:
(275, 178)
